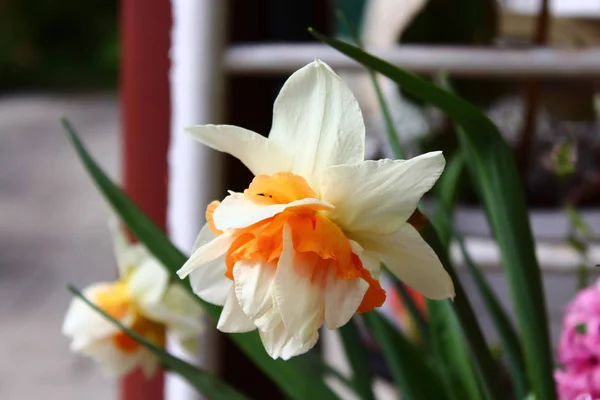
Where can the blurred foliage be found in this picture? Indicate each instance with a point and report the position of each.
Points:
(66, 44)
(466, 23)
(454, 22)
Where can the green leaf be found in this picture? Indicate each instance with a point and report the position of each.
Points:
(362, 376)
(451, 352)
(578, 222)
(205, 382)
(415, 379)
(446, 190)
(407, 300)
(482, 357)
(390, 128)
(511, 346)
(313, 360)
(447, 336)
(293, 376)
(493, 169)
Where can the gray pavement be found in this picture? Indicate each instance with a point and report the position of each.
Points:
(52, 231)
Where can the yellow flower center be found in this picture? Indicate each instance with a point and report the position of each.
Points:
(118, 303)
(316, 238)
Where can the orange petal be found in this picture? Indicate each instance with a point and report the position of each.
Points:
(210, 210)
(279, 188)
(318, 234)
(375, 296)
(125, 343)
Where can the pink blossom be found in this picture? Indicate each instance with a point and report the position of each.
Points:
(580, 385)
(579, 348)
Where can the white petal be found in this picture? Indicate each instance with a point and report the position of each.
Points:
(259, 154)
(342, 298)
(236, 211)
(148, 362)
(254, 283)
(233, 318)
(113, 361)
(206, 267)
(371, 263)
(317, 119)
(270, 319)
(300, 302)
(292, 350)
(210, 283)
(178, 311)
(379, 196)
(280, 343)
(356, 247)
(411, 259)
(127, 254)
(209, 251)
(84, 324)
(148, 282)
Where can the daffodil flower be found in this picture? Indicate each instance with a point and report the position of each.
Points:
(303, 245)
(144, 301)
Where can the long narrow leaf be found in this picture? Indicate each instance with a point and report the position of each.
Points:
(446, 191)
(482, 357)
(511, 345)
(415, 379)
(390, 128)
(291, 376)
(205, 382)
(492, 166)
(362, 375)
(446, 336)
(414, 311)
(451, 352)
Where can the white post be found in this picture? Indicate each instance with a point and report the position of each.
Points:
(196, 77)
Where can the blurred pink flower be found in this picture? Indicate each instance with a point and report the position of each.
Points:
(578, 385)
(579, 348)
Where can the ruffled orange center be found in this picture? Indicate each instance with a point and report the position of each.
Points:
(116, 302)
(317, 240)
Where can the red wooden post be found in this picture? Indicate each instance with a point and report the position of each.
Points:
(145, 107)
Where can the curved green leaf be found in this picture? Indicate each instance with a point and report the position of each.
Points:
(293, 376)
(492, 166)
(416, 315)
(451, 352)
(446, 191)
(511, 345)
(205, 382)
(488, 370)
(415, 379)
(362, 375)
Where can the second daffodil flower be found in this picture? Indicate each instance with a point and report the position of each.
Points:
(144, 301)
(302, 246)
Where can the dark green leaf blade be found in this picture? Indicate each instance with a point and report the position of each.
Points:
(205, 382)
(362, 375)
(415, 313)
(511, 346)
(451, 352)
(292, 376)
(488, 370)
(446, 191)
(492, 166)
(447, 334)
(413, 376)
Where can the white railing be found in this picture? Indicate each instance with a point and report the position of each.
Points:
(268, 59)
